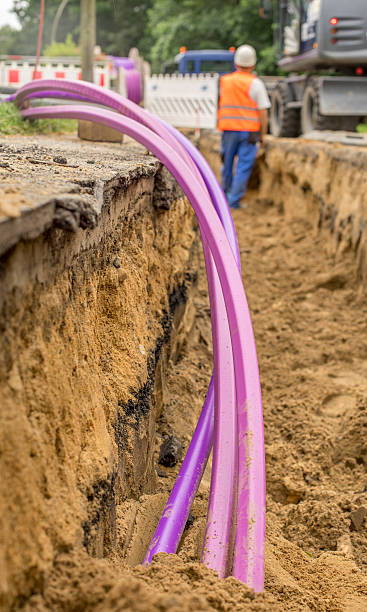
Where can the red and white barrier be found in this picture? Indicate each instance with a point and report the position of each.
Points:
(17, 71)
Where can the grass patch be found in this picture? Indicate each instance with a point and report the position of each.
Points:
(11, 122)
(362, 128)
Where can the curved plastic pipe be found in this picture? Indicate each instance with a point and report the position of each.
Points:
(241, 464)
(174, 516)
(215, 190)
(250, 528)
(124, 62)
(216, 546)
(248, 446)
(108, 98)
(216, 552)
(58, 83)
(94, 93)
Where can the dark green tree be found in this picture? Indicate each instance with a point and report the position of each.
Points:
(28, 13)
(121, 24)
(7, 34)
(157, 27)
(207, 24)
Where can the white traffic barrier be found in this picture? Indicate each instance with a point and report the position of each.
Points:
(183, 100)
(16, 71)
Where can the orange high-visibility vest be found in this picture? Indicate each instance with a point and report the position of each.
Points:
(236, 110)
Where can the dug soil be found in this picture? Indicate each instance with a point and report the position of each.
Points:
(309, 316)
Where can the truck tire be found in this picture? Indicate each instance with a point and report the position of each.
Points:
(312, 119)
(284, 121)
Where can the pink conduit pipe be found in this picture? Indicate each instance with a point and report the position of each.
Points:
(171, 525)
(255, 534)
(216, 552)
(245, 563)
(82, 90)
(94, 93)
(217, 539)
(166, 538)
(222, 498)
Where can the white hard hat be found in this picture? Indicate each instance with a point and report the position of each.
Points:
(245, 56)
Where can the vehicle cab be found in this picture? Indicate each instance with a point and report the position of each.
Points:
(198, 62)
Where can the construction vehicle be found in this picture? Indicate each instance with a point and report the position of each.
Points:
(322, 44)
(219, 61)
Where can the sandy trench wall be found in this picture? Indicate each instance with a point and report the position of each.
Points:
(89, 320)
(322, 183)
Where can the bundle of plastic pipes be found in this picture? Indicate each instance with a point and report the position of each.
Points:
(231, 418)
(132, 77)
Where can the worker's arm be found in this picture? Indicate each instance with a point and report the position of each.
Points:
(263, 123)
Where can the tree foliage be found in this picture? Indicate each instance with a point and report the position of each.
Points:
(59, 49)
(157, 27)
(205, 24)
(121, 24)
(28, 13)
(7, 34)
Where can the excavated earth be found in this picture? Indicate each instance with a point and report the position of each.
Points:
(106, 350)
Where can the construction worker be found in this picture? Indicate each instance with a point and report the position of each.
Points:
(243, 119)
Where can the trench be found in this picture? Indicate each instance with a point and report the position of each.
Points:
(107, 350)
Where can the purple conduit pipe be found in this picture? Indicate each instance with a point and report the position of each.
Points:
(94, 93)
(169, 530)
(216, 552)
(132, 81)
(123, 62)
(132, 78)
(247, 479)
(216, 547)
(58, 83)
(215, 190)
(133, 85)
(99, 95)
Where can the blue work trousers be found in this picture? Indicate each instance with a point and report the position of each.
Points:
(236, 143)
